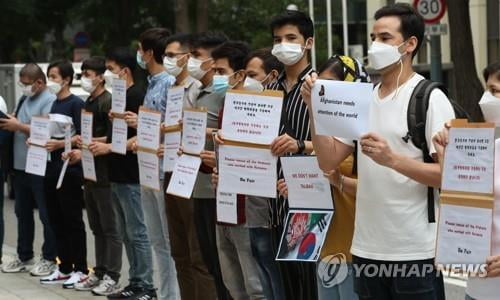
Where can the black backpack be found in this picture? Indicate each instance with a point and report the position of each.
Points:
(417, 119)
(7, 145)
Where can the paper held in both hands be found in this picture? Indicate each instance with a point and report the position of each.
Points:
(88, 164)
(36, 160)
(185, 170)
(467, 200)
(341, 108)
(118, 104)
(311, 209)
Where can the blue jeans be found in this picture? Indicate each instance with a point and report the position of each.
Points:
(156, 223)
(29, 189)
(341, 291)
(130, 219)
(269, 274)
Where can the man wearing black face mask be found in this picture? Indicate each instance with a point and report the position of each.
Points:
(36, 100)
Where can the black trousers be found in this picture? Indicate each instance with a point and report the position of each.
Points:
(64, 207)
(299, 278)
(409, 280)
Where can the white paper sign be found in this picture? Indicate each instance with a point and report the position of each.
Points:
(227, 208)
(247, 171)
(119, 95)
(61, 175)
(251, 118)
(341, 108)
(149, 172)
(468, 162)
(36, 160)
(307, 187)
(148, 129)
(172, 142)
(39, 131)
(194, 127)
(304, 235)
(119, 136)
(175, 100)
(464, 235)
(88, 165)
(67, 138)
(86, 128)
(184, 176)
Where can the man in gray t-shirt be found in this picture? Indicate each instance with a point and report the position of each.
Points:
(28, 188)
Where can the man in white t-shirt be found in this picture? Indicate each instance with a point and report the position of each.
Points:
(392, 229)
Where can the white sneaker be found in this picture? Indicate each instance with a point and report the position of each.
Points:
(17, 266)
(88, 283)
(43, 268)
(107, 287)
(76, 277)
(55, 277)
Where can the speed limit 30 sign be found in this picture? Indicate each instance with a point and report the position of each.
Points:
(431, 10)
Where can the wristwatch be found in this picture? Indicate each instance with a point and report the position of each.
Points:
(301, 145)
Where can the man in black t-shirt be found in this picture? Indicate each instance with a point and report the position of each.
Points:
(101, 212)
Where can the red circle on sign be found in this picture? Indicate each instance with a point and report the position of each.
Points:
(435, 18)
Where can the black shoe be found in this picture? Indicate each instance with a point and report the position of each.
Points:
(146, 295)
(129, 292)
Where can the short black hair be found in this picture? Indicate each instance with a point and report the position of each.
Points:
(235, 52)
(412, 24)
(155, 39)
(123, 57)
(184, 39)
(269, 61)
(33, 72)
(95, 63)
(492, 70)
(65, 69)
(208, 40)
(296, 18)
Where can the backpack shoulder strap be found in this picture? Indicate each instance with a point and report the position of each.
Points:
(18, 108)
(417, 119)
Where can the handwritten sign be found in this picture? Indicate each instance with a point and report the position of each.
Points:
(119, 95)
(341, 108)
(175, 101)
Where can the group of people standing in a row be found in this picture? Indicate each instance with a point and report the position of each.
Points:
(195, 256)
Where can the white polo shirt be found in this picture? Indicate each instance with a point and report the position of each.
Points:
(391, 209)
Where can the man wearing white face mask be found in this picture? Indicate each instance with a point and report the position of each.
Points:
(486, 288)
(392, 227)
(293, 37)
(195, 282)
(97, 195)
(36, 100)
(200, 67)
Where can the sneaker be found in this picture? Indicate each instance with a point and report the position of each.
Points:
(76, 277)
(106, 287)
(147, 295)
(17, 266)
(129, 292)
(43, 268)
(55, 277)
(88, 283)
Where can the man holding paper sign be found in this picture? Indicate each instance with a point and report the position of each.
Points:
(152, 44)
(65, 203)
(397, 205)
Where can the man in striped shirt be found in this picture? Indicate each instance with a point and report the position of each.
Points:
(293, 36)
